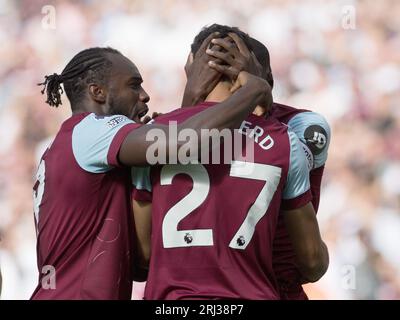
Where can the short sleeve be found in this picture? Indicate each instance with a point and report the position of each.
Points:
(142, 184)
(313, 130)
(96, 141)
(141, 178)
(297, 188)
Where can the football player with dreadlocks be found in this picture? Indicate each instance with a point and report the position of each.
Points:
(82, 194)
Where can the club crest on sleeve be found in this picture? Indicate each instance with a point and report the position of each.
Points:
(316, 138)
(116, 121)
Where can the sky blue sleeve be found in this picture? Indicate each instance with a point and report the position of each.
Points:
(313, 130)
(141, 178)
(92, 138)
(298, 179)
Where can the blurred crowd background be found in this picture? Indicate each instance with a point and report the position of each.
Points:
(338, 58)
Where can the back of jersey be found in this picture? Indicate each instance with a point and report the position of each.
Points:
(213, 224)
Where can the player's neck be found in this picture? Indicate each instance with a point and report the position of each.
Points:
(220, 93)
(90, 107)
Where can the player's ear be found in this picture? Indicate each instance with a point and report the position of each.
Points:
(189, 62)
(270, 79)
(97, 93)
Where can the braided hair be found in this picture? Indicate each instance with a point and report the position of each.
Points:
(85, 67)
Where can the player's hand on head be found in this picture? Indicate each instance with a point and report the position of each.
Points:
(250, 63)
(234, 58)
(242, 78)
(201, 79)
(245, 78)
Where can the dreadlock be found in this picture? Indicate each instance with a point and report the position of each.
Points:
(87, 66)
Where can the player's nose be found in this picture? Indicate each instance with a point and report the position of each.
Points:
(144, 97)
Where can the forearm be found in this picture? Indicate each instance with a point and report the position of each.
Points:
(135, 150)
(311, 252)
(325, 259)
(229, 113)
(316, 266)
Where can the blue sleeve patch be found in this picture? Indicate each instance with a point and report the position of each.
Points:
(298, 179)
(141, 178)
(92, 138)
(313, 130)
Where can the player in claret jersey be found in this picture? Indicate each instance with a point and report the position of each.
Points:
(82, 196)
(213, 225)
(314, 133)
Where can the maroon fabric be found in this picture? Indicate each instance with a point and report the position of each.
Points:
(315, 184)
(301, 201)
(284, 113)
(141, 195)
(217, 271)
(85, 224)
(284, 260)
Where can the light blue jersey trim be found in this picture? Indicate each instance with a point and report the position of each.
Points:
(301, 122)
(141, 178)
(298, 179)
(92, 138)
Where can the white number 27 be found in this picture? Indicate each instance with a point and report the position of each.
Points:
(172, 237)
